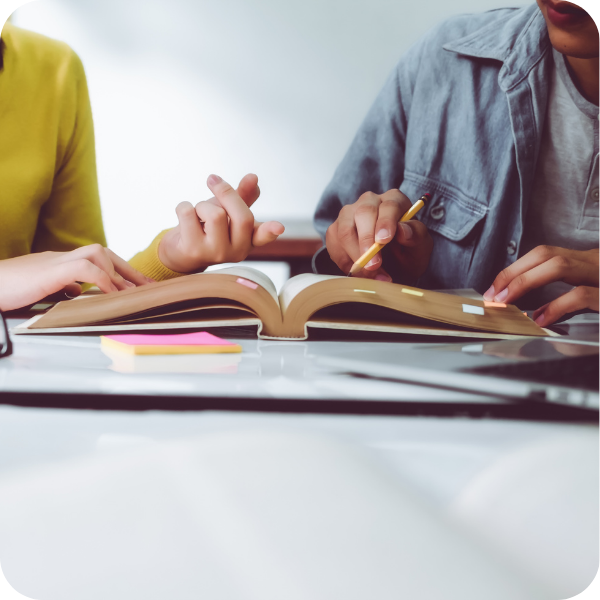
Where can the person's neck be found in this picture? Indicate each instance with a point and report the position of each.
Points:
(585, 72)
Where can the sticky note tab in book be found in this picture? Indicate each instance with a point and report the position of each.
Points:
(473, 310)
(183, 343)
(412, 292)
(247, 283)
(494, 304)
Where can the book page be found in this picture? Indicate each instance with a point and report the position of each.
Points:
(298, 284)
(407, 329)
(229, 285)
(241, 321)
(251, 274)
(304, 298)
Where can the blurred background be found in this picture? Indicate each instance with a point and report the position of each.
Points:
(184, 88)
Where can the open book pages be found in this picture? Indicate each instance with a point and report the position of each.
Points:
(239, 296)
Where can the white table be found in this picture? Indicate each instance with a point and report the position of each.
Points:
(446, 459)
(74, 372)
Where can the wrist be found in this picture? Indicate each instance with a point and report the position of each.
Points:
(162, 252)
(173, 259)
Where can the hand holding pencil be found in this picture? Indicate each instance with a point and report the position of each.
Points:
(362, 262)
(385, 219)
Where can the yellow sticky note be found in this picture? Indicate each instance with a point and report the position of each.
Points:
(182, 343)
(411, 292)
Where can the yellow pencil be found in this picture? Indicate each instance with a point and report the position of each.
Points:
(375, 248)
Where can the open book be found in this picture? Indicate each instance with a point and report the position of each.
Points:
(240, 296)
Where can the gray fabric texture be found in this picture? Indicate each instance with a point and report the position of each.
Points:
(563, 210)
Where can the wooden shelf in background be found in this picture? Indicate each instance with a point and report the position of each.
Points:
(296, 246)
(281, 249)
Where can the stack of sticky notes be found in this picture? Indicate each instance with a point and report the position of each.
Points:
(184, 343)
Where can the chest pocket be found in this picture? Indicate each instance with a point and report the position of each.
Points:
(455, 222)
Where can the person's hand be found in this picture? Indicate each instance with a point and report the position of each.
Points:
(221, 229)
(375, 218)
(544, 265)
(27, 279)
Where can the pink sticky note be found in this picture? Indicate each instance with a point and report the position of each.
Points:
(248, 284)
(494, 304)
(201, 338)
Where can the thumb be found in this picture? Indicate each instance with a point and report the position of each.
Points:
(72, 290)
(265, 233)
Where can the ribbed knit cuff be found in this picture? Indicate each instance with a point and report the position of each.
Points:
(148, 263)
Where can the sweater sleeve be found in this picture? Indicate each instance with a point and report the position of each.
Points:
(71, 215)
(148, 263)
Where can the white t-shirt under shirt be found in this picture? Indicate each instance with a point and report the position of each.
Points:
(563, 209)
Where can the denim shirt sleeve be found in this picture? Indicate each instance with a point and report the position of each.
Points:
(375, 160)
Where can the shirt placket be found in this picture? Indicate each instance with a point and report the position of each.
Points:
(589, 217)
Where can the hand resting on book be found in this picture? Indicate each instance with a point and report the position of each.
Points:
(544, 265)
(27, 279)
(221, 229)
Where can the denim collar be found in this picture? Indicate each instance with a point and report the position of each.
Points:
(520, 41)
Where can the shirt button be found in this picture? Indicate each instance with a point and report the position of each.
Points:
(512, 248)
(438, 213)
(595, 195)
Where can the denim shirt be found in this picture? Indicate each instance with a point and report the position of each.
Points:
(460, 117)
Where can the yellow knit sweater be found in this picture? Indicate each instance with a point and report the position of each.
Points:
(48, 184)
